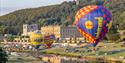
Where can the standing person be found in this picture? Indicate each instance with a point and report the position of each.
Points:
(30, 47)
(49, 61)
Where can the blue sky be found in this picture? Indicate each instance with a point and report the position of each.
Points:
(7, 6)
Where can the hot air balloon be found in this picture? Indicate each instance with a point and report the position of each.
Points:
(93, 22)
(36, 39)
(49, 39)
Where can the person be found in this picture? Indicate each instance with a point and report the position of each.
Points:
(30, 47)
(123, 44)
(49, 61)
(94, 49)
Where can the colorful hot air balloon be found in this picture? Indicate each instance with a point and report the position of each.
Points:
(93, 22)
(36, 39)
(49, 39)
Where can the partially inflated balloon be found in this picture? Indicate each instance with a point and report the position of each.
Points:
(49, 39)
(36, 38)
(93, 22)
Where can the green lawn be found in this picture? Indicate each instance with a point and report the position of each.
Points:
(107, 50)
(24, 59)
(113, 50)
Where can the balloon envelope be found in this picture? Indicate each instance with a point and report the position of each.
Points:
(36, 38)
(93, 22)
(48, 40)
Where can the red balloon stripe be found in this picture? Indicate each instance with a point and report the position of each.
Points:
(87, 36)
(84, 11)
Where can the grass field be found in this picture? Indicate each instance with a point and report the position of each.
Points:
(23, 59)
(104, 49)
(107, 50)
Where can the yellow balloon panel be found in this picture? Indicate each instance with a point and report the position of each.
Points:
(36, 43)
(36, 38)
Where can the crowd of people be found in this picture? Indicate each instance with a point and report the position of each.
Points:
(17, 47)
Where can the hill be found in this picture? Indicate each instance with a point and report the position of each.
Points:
(62, 14)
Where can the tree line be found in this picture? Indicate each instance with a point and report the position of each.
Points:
(61, 14)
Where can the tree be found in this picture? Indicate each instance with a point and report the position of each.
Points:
(3, 56)
(113, 35)
(11, 38)
(48, 15)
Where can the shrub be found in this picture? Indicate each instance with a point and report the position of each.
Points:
(3, 56)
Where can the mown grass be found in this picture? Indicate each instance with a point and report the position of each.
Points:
(106, 49)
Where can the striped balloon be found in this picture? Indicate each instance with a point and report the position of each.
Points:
(93, 22)
(49, 39)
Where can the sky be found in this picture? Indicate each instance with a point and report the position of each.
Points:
(8, 6)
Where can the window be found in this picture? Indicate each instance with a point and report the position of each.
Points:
(25, 26)
(31, 26)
